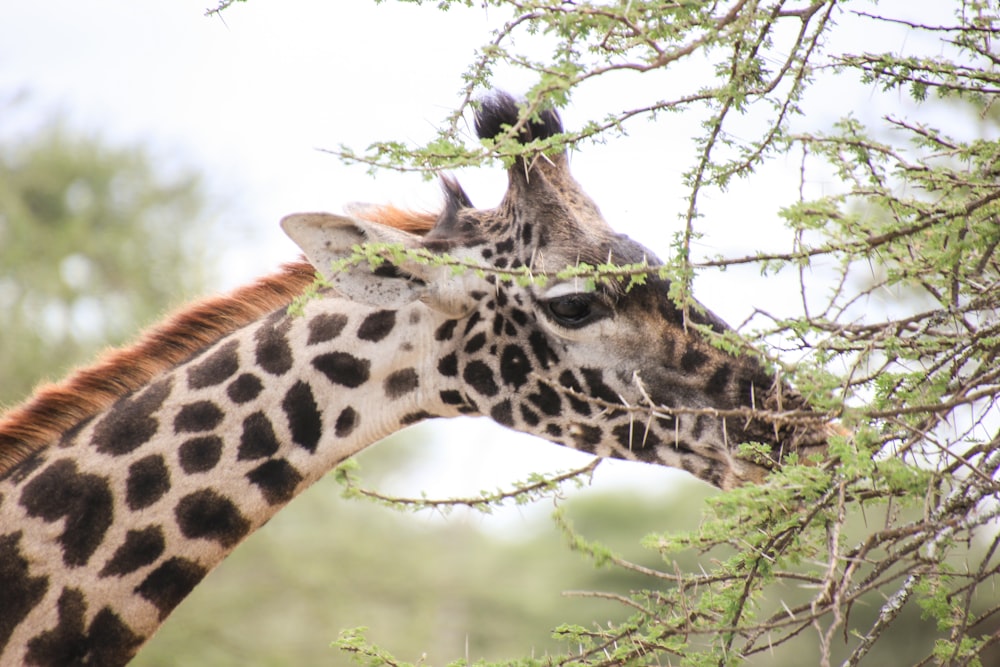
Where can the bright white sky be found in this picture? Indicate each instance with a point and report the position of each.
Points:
(247, 98)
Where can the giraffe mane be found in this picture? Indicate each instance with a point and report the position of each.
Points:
(58, 407)
(416, 222)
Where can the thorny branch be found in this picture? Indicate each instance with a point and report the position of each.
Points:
(536, 487)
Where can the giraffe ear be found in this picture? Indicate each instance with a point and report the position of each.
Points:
(326, 238)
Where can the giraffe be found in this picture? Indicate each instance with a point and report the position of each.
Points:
(122, 486)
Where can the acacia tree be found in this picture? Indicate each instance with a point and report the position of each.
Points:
(902, 517)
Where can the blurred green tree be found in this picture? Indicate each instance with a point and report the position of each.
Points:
(95, 241)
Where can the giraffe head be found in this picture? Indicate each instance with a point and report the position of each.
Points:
(606, 370)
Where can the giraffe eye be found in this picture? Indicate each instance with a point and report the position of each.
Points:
(571, 310)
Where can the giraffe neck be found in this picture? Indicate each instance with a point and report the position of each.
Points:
(105, 531)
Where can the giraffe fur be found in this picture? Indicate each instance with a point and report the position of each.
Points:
(123, 486)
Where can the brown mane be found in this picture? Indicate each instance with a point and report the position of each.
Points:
(55, 408)
(415, 222)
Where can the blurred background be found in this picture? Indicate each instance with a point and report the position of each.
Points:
(146, 154)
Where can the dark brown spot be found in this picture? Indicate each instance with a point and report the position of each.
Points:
(587, 437)
(377, 326)
(196, 417)
(401, 382)
(475, 343)
(244, 388)
(445, 331)
(141, 548)
(502, 413)
(148, 479)
(530, 417)
(325, 327)
(22, 470)
(21, 591)
(108, 641)
(514, 366)
(568, 380)
(546, 399)
(83, 499)
(414, 417)
(669, 311)
(637, 437)
(541, 349)
(277, 479)
(479, 376)
(130, 422)
(346, 422)
(218, 366)
(451, 397)
(170, 583)
(206, 514)
(304, 418)
(719, 380)
(343, 368)
(594, 378)
(754, 386)
(471, 323)
(273, 352)
(69, 438)
(698, 428)
(200, 454)
(257, 440)
(692, 360)
(448, 365)
(526, 234)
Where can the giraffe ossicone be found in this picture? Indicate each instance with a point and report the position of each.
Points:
(123, 485)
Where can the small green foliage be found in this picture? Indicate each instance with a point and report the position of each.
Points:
(596, 551)
(296, 308)
(353, 642)
(754, 451)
